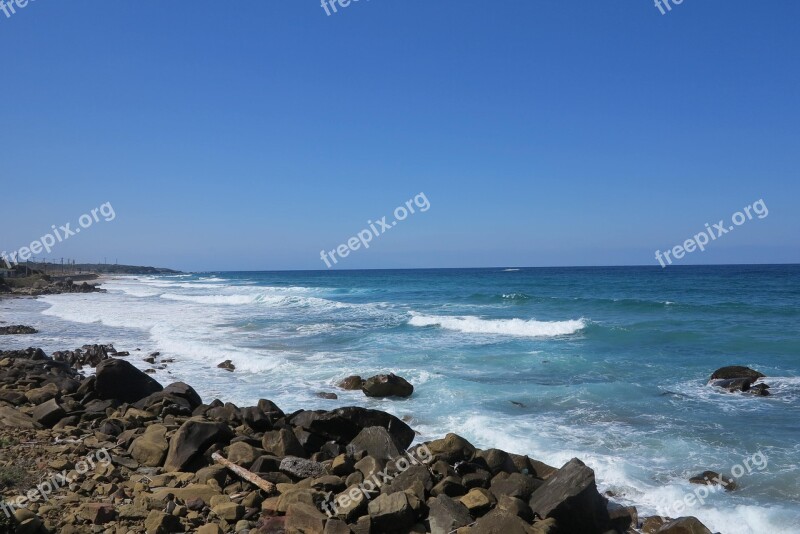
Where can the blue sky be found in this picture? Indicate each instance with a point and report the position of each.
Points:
(252, 134)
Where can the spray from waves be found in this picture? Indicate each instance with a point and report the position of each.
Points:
(508, 327)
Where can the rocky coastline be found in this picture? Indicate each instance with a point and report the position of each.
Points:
(171, 460)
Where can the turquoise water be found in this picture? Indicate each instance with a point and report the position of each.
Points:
(607, 364)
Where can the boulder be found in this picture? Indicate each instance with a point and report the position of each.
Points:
(446, 515)
(389, 385)
(48, 413)
(712, 478)
(351, 383)
(301, 517)
(502, 522)
(282, 443)
(300, 468)
(391, 512)
(17, 329)
(736, 371)
(42, 394)
(150, 449)
(570, 497)
(227, 365)
(192, 439)
(344, 424)
(684, 525)
(375, 441)
(452, 448)
(119, 380)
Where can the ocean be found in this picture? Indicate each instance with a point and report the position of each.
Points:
(606, 364)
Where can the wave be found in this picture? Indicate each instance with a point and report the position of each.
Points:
(508, 327)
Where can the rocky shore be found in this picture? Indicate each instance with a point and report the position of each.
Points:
(163, 460)
(40, 284)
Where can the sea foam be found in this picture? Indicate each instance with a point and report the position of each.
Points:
(508, 327)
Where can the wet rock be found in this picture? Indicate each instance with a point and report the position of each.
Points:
(227, 365)
(351, 383)
(712, 478)
(389, 385)
(736, 371)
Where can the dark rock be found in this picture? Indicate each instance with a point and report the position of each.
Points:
(17, 329)
(351, 383)
(622, 517)
(736, 371)
(118, 379)
(227, 365)
(300, 468)
(344, 424)
(191, 440)
(326, 395)
(497, 461)
(570, 497)
(389, 385)
(452, 448)
(514, 485)
(503, 522)
(684, 525)
(282, 443)
(391, 512)
(712, 478)
(48, 413)
(733, 384)
(375, 441)
(446, 515)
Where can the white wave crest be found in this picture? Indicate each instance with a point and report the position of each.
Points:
(508, 327)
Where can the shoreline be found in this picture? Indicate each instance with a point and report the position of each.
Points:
(470, 488)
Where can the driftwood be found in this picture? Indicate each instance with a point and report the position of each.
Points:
(249, 476)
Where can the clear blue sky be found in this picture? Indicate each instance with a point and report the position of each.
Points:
(252, 134)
